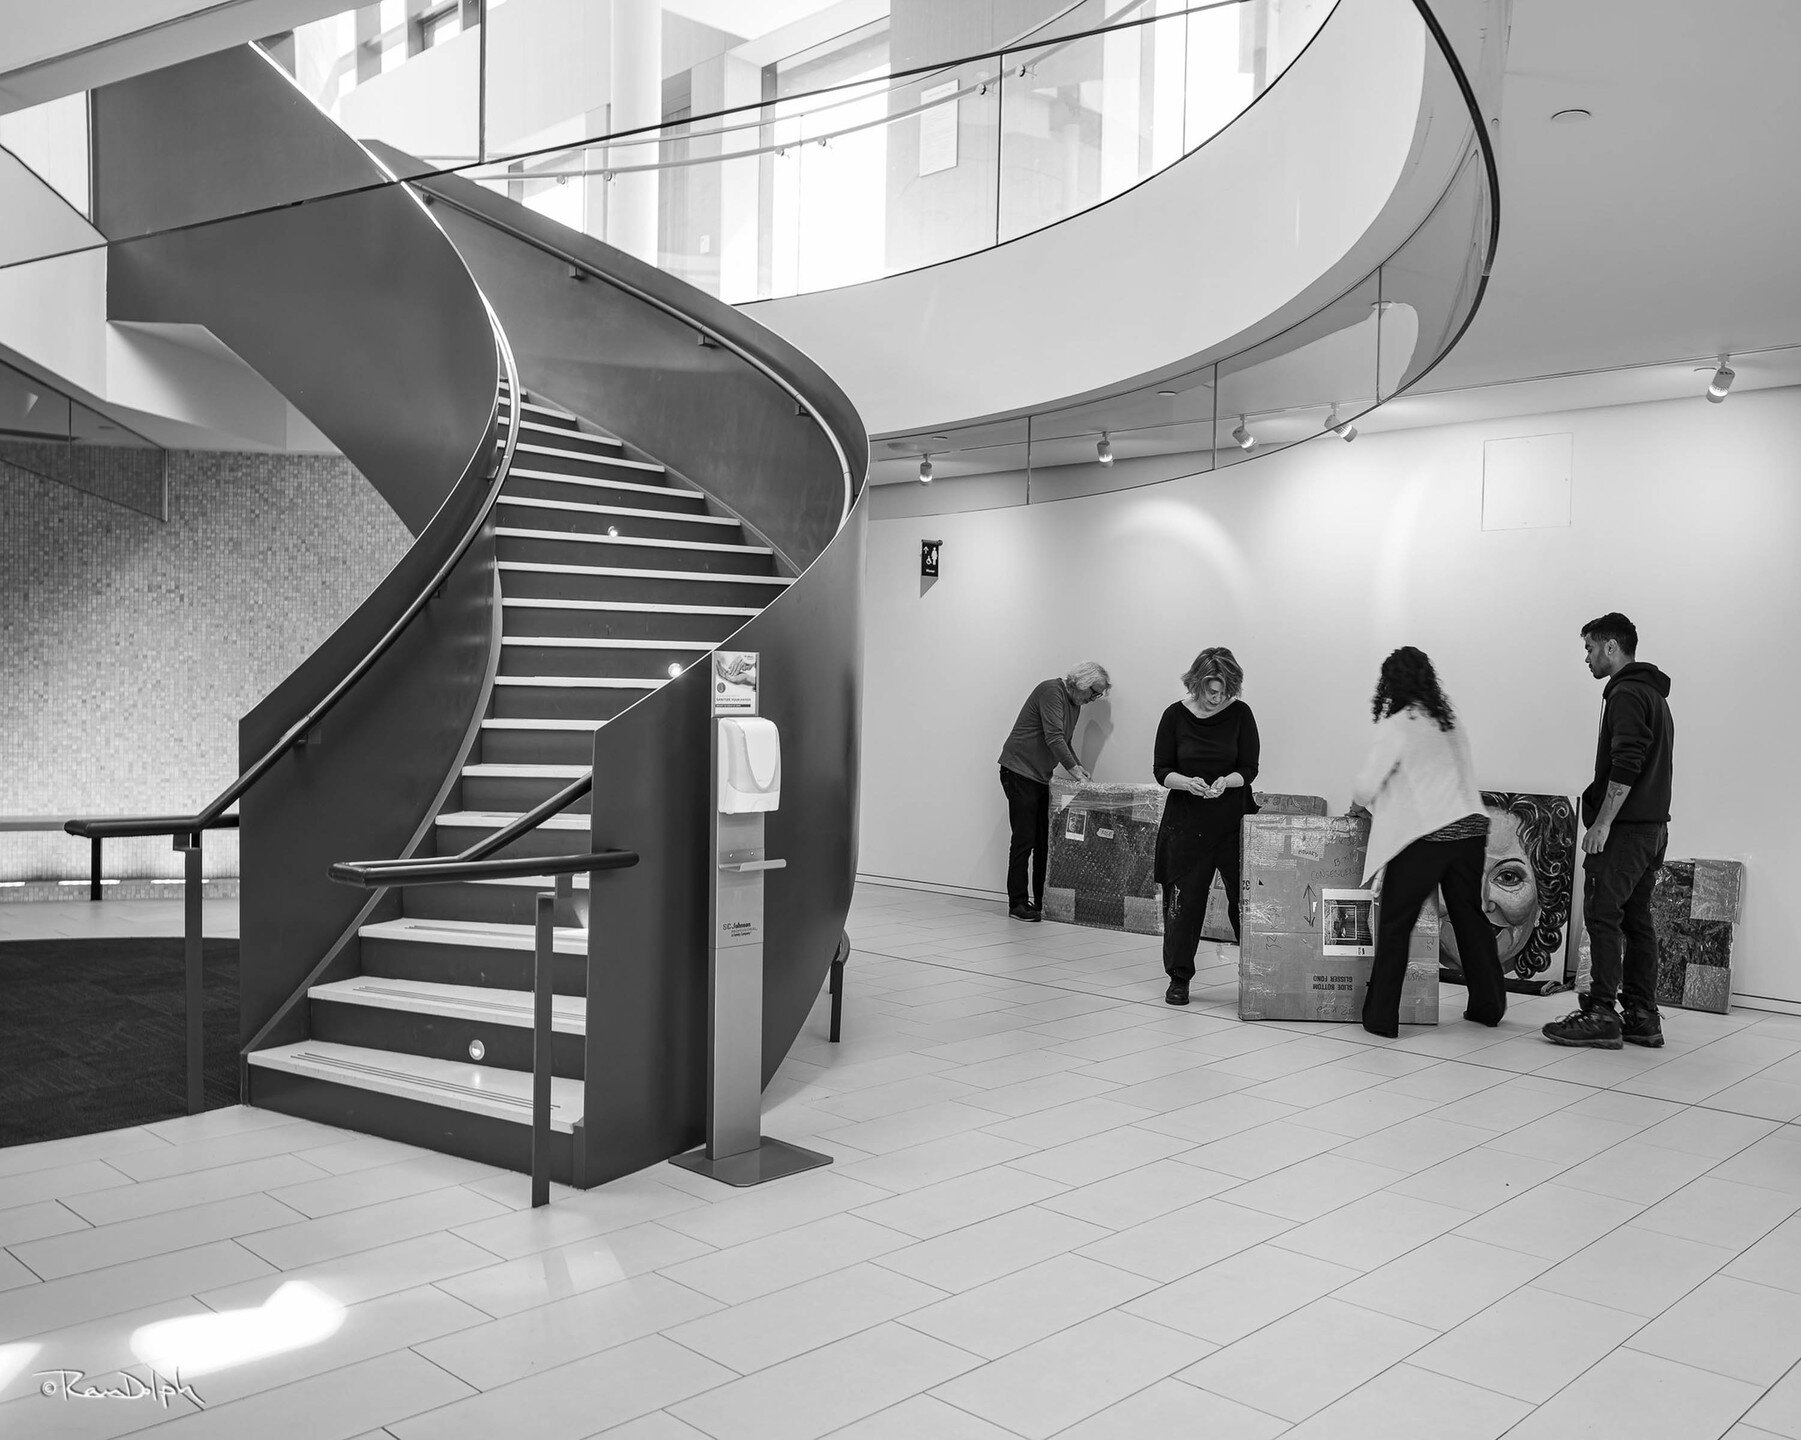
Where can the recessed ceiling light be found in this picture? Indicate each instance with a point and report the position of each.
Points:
(941, 437)
(1166, 392)
(1571, 117)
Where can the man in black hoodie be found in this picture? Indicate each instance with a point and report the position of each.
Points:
(1627, 813)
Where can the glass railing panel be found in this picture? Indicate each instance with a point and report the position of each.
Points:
(405, 72)
(1430, 285)
(954, 453)
(51, 140)
(944, 150)
(50, 435)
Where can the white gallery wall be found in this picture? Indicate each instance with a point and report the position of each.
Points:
(1312, 565)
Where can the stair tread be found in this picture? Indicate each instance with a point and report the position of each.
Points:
(519, 472)
(583, 642)
(712, 577)
(488, 934)
(496, 819)
(581, 537)
(582, 507)
(647, 465)
(515, 723)
(644, 607)
(569, 1013)
(456, 1085)
(498, 771)
(576, 682)
(541, 427)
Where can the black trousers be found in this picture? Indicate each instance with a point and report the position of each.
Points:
(1456, 867)
(1616, 905)
(1193, 864)
(1029, 818)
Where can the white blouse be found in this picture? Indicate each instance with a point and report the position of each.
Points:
(1417, 779)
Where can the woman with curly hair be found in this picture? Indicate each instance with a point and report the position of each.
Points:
(1428, 831)
(1206, 756)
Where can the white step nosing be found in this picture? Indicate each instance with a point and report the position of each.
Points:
(576, 682)
(504, 723)
(542, 567)
(480, 934)
(639, 607)
(505, 1096)
(568, 1013)
(577, 507)
(619, 460)
(580, 642)
(582, 537)
(500, 770)
(568, 432)
(499, 820)
(595, 483)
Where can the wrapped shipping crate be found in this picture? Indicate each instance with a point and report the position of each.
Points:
(1695, 908)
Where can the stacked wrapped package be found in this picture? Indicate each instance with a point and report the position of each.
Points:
(1695, 909)
(1310, 925)
(1104, 850)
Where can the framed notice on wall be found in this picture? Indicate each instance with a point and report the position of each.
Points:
(938, 128)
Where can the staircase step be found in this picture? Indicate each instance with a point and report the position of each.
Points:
(574, 655)
(490, 953)
(532, 580)
(568, 1013)
(525, 482)
(561, 460)
(567, 697)
(527, 512)
(567, 940)
(494, 787)
(626, 620)
(539, 741)
(565, 834)
(547, 432)
(513, 901)
(568, 547)
(473, 1089)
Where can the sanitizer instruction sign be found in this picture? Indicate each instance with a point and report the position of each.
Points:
(734, 682)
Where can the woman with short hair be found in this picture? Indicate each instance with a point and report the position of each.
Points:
(1428, 831)
(1206, 756)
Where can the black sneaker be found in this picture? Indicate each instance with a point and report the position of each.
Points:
(1177, 994)
(1024, 912)
(1642, 1027)
(1599, 1029)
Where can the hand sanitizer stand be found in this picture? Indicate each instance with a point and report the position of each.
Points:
(747, 780)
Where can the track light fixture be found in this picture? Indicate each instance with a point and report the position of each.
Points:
(1722, 380)
(1343, 429)
(925, 469)
(1243, 436)
(1103, 450)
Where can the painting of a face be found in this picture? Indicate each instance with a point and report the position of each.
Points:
(1527, 873)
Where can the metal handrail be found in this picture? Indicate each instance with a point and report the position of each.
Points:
(378, 874)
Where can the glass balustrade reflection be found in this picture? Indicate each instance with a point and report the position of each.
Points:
(48, 434)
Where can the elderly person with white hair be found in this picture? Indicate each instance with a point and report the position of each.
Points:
(1037, 744)
(1206, 756)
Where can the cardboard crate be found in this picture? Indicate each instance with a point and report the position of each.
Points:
(1310, 926)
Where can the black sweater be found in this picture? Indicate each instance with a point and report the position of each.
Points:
(1207, 749)
(1636, 746)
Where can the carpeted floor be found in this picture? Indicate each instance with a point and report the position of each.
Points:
(93, 1034)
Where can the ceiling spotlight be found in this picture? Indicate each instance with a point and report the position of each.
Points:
(1243, 436)
(1343, 429)
(1103, 450)
(1722, 381)
(925, 470)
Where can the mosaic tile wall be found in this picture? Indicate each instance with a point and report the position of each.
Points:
(130, 647)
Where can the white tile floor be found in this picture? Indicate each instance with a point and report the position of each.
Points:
(1058, 1208)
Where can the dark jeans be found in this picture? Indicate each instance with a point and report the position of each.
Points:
(1456, 867)
(1616, 905)
(1029, 817)
(1185, 899)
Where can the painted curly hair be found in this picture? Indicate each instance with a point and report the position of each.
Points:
(1408, 679)
(1547, 826)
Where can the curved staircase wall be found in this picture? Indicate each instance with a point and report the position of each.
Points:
(360, 311)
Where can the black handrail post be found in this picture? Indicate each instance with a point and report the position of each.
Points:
(188, 843)
(543, 966)
(94, 891)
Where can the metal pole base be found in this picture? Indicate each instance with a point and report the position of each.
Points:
(771, 1160)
